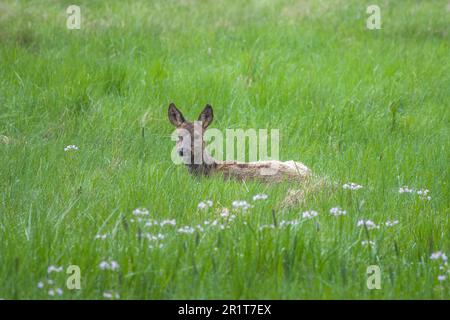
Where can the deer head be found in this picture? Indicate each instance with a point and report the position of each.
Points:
(190, 145)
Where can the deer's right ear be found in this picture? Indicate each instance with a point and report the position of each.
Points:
(175, 116)
(207, 116)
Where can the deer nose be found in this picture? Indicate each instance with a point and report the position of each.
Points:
(180, 153)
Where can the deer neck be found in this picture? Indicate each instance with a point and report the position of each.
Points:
(229, 169)
(207, 166)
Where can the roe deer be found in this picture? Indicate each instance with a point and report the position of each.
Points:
(266, 171)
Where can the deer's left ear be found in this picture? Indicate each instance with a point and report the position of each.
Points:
(206, 116)
(175, 116)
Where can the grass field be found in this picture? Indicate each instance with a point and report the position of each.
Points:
(354, 105)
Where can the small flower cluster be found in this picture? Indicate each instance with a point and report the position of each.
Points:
(209, 225)
(391, 223)
(225, 213)
(49, 285)
(237, 205)
(336, 211)
(440, 256)
(289, 223)
(53, 268)
(372, 225)
(101, 236)
(111, 295)
(109, 265)
(260, 196)
(352, 186)
(422, 193)
(405, 190)
(168, 222)
(152, 237)
(368, 243)
(266, 226)
(203, 205)
(189, 229)
(71, 147)
(241, 205)
(369, 224)
(158, 237)
(309, 214)
(140, 212)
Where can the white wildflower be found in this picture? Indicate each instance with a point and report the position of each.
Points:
(53, 268)
(202, 205)
(309, 214)
(140, 212)
(241, 204)
(40, 285)
(368, 223)
(352, 186)
(53, 292)
(423, 194)
(205, 204)
(150, 223)
(438, 255)
(442, 278)
(186, 229)
(71, 147)
(261, 196)
(109, 265)
(111, 295)
(287, 223)
(225, 212)
(336, 211)
(171, 222)
(405, 189)
(368, 243)
(152, 237)
(114, 265)
(390, 223)
(101, 236)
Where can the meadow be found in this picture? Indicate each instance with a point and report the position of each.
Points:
(355, 105)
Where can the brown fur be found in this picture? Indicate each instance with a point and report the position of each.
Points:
(266, 171)
(272, 171)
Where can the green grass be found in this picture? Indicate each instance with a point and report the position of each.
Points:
(370, 107)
